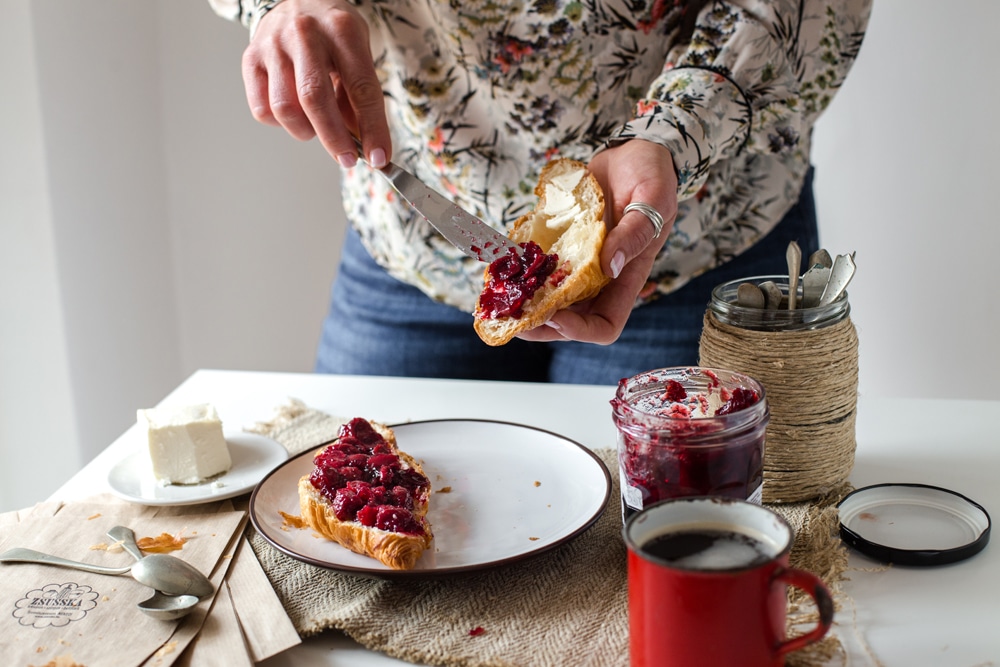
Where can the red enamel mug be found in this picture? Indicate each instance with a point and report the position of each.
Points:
(707, 584)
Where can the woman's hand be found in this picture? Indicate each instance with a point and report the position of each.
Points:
(309, 69)
(635, 171)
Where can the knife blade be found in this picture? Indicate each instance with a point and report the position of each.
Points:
(462, 229)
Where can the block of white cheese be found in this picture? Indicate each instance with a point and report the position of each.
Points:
(186, 445)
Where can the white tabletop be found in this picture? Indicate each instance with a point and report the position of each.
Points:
(904, 616)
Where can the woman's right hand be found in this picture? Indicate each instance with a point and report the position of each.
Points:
(309, 69)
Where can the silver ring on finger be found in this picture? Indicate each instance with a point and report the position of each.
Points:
(654, 216)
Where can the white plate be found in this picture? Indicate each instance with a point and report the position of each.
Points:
(516, 491)
(253, 457)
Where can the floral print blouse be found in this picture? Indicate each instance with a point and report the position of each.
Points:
(480, 94)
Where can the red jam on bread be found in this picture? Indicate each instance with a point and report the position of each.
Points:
(514, 280)
(562, 239)
(367, 495)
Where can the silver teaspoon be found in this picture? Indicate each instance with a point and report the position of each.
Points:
(821, 257)
(840, 276)
(813, 283)
(749, 295)
(772, 294)
(23, 555)
(165, 573)
(793, 256)
(815, 278)
(159, 571)
(168, 607)
(160, 606)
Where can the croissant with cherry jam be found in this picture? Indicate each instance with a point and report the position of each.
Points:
(369, 496)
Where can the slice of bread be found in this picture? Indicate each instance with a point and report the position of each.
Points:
(396, 549)
(568, 222)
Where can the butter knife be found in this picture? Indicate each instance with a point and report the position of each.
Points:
(465, 231)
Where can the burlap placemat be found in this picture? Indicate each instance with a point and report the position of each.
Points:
(565, 607)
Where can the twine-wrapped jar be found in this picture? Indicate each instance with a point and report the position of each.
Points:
(807, 361)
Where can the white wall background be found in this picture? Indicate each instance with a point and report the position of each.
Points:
(149, 227)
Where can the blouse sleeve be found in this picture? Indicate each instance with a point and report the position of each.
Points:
(755, 76)
(247, 12)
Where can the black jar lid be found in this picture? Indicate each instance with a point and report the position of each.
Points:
(913, 524)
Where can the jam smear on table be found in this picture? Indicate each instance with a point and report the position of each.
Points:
(513, 280)
(364, 481)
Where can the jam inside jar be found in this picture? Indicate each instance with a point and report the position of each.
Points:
(689, 431)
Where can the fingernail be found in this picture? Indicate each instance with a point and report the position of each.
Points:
(347, 160)
(617, 264)
(553, 325)
(377, 158)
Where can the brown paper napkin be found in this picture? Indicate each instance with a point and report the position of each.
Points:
(215, 638)
(49, 613)
(243, 623)
(566, 607)
(221, 640)
(199, 631)
(262, 619)
(247, 622)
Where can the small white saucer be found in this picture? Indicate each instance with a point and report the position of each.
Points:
(253, 457)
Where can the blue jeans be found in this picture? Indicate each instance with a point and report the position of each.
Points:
(378, 325)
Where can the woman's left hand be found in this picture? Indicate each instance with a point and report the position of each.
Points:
(632, 172)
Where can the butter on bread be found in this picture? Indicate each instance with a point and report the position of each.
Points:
(567, 221)
(395, 549)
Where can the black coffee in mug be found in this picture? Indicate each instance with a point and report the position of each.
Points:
(696, 597)
(707, 549)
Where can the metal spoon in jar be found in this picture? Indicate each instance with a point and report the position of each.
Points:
(793, 256)
(813, 283)
(840, 276)
(749, 295)
(821, 257)
(772, 294)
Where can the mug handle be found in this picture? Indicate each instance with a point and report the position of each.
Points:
(817, 590)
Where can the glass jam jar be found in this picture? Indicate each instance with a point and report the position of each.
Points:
(689, 431)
